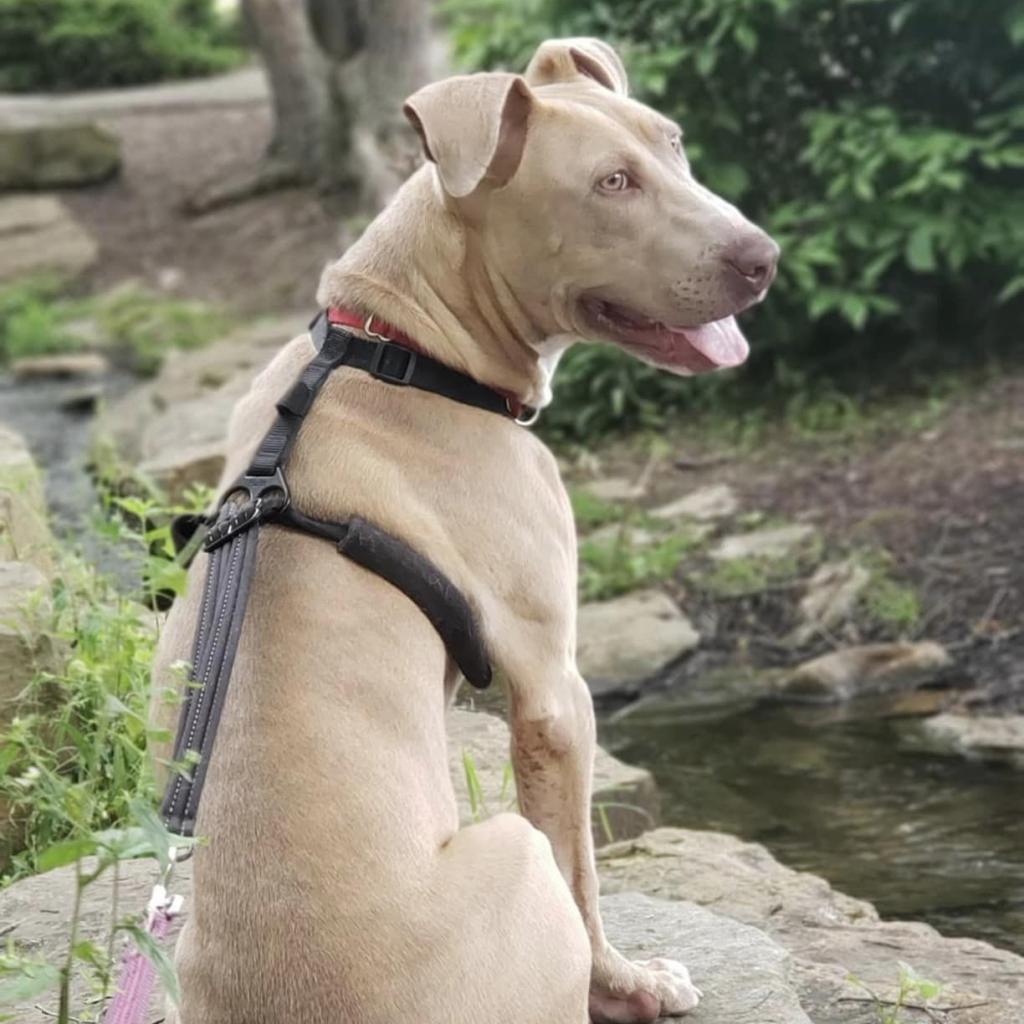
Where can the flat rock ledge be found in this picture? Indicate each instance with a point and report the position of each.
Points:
(767, 945)
(829, 937)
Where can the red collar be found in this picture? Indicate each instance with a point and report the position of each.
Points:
(381, 330)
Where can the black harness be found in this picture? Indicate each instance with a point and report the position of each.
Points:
(261, 497)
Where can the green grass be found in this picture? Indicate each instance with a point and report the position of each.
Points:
(608, 568)
(136, 326)
(591, 512)
(892, 604)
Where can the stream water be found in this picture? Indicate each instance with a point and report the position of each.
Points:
(848, 797)
(925, 837)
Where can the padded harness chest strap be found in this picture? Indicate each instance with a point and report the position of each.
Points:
(261, 497)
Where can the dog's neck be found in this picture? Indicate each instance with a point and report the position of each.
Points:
(416, 266)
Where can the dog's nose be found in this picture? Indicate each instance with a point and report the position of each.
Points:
(754, 257)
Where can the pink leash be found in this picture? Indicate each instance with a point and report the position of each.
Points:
(137, 973)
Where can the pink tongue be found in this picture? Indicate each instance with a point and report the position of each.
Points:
(720, 341)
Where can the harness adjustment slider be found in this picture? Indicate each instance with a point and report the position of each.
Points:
(386, 364)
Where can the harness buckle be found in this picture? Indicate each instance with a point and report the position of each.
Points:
(266, 495)
(382, 371)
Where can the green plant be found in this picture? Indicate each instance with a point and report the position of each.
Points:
(73, 765)
(145, 325)
(93, 854)
(478, 800)
(80, 44)
(620, 563)
(881, 141)
(137, 325)
(591, 511)
(912, 992)
(892, 604)
(73, 758)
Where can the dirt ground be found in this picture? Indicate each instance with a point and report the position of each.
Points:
(263, 255)
(945, 499)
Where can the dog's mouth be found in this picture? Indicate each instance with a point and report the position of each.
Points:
(712, 346)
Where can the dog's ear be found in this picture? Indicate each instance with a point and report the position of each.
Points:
(564, 60)
(473, 128)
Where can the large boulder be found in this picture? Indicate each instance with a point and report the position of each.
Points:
(173, 428)
(829, 936)
(626, 640)
(24, 528)
(767, 945)
(38, 235)
(56, 155)
(981, 737)
(869, 668)
(24, 644)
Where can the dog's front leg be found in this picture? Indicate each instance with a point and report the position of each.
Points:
(553, 742)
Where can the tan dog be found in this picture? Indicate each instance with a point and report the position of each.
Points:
(336, 885)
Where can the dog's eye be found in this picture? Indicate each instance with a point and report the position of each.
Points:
(617, 182)
(677, 143)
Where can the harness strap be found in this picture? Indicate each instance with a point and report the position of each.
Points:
(261, 497)
(221, 615)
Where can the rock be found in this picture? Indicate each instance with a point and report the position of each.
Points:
(65, 366)
(716, 501)
(24, 646)
(622, 533)
(767, 945)
(629, 639)
(57, 155)
(871, 668)
(38, 235)
(625, 798)
(828, 935)
(984, 737)
(175, 425)
(771, 543)
(745, 976)
(24, 527)
(832, 594)
(615, 489)
(177, 469)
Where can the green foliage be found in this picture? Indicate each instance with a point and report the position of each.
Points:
(892, 604)
(882, 143)
(73, 766)
(73, 759)
(83, 44)
(136, 325)
(145, 325)
(590, 511)
(913, 991)
(625, 562)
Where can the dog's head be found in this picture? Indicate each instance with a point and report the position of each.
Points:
(580, 202)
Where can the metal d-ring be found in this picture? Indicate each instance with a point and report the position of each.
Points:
(368, 328)
(523, 421)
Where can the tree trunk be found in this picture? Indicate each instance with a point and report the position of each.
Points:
(339, 71)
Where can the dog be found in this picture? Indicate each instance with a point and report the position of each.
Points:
(335, 884)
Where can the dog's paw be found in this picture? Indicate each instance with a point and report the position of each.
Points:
(638, 993)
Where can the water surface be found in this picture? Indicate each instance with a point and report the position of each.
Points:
(932, 838)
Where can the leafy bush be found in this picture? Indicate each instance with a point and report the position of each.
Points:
(82, 44)
(881, 142)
